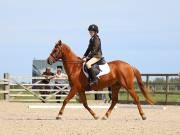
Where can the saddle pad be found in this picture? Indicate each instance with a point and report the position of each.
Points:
(105, 69)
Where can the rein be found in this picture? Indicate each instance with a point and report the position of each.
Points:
(72, 62)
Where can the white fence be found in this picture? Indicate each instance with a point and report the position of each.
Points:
(16, 91)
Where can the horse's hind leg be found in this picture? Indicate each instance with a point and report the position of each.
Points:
(136, 99)
(115, 91)
(84, 101)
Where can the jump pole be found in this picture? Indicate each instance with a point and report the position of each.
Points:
(68, 106)
(95, 106)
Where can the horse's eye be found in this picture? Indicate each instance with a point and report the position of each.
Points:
(56, 45)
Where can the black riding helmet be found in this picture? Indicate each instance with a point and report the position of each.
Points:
(93, 27)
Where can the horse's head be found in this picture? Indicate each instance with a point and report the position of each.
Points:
(56, 53)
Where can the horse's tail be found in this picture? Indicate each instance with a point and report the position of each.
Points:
(142, 87)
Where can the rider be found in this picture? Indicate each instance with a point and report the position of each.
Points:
(93, 53)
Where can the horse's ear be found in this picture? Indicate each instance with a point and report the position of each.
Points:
(60, 42)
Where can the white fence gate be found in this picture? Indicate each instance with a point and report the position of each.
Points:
(16, 90)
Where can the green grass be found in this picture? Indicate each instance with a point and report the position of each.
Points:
(156, 97)
(1, 97)
(173, 98)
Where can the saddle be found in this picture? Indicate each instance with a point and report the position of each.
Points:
(100, 68)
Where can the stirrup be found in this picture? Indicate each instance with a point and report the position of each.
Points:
(95, 81)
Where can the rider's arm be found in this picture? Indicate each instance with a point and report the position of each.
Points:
(87, 51)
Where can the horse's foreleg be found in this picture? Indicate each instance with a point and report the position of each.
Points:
(66, 100)
(115, 91)
(84, 101)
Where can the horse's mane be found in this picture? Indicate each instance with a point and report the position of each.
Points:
(68, 49)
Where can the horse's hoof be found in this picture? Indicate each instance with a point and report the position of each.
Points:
(58, 118)
(96, 117)
(144, 117)
(104, 118)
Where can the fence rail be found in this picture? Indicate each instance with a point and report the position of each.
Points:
(15, 91)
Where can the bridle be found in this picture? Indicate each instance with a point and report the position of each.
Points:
(59, 50)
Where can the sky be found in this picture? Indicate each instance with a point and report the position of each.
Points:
(144, 33)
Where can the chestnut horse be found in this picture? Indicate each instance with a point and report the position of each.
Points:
(121, 75)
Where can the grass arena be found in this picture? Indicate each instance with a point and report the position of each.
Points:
(19, 119)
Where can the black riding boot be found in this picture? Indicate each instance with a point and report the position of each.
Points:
(92, 76)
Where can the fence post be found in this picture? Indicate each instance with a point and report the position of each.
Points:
(167, 88)
(6, 87)
(147, 81)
